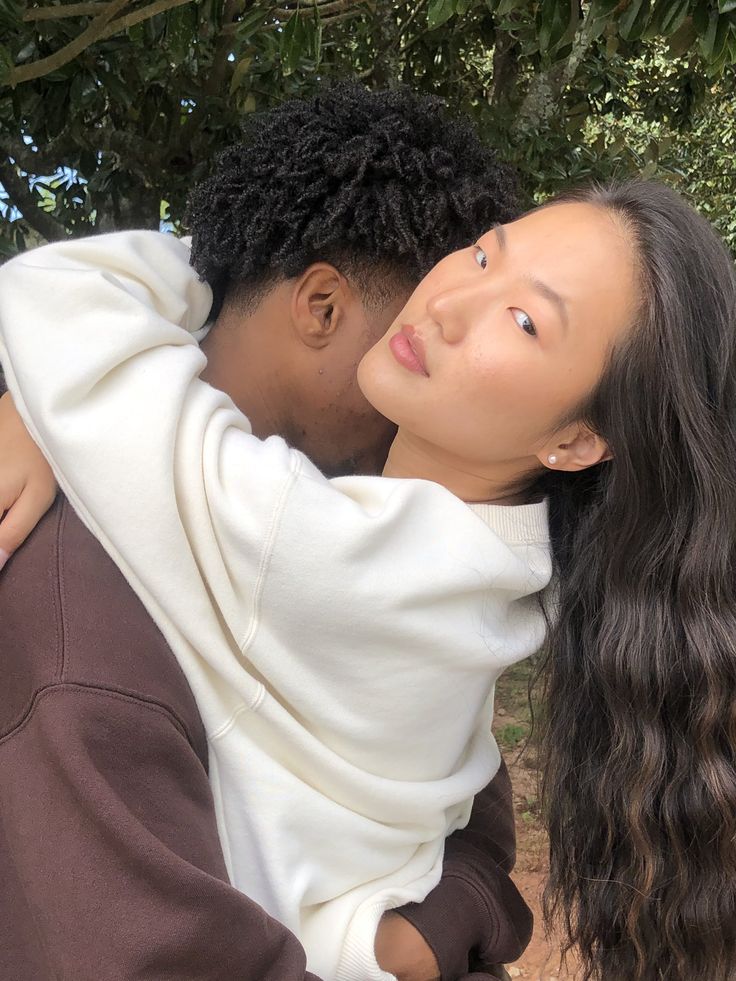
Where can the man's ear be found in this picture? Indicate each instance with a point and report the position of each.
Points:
(318, 303)
(575, 449)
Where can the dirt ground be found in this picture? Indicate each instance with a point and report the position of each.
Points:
(541, 960)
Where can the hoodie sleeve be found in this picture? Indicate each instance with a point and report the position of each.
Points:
(475, 915)
(97, 348)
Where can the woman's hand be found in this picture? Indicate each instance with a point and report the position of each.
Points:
(27, 484)
(402, 950)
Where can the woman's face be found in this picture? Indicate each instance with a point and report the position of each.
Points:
(502, 340)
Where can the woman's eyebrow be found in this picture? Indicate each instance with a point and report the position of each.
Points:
(554, 297)
(542, 288)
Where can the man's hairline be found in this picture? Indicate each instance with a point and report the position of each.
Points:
(246, 296)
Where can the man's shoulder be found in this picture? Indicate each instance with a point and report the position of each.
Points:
(68, 617)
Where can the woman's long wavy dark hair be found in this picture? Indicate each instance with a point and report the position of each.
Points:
(640, 675)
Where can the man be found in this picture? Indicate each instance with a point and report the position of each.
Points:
(312, 234)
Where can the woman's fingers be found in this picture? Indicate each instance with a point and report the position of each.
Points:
(27, 484)
(20, 518)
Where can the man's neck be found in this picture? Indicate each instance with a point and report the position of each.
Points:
(258, 392)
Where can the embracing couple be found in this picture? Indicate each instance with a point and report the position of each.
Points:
(263, 773)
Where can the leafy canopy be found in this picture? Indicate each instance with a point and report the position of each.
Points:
(111, 109)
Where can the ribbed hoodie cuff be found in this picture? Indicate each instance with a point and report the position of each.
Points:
(358, 961)
(453, 921)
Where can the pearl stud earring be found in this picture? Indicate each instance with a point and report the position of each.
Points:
(552, 459)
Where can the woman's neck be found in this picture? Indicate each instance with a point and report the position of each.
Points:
(412, 457)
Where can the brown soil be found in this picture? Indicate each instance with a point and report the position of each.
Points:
(541, 960)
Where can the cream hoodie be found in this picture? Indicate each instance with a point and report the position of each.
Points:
(342, 637)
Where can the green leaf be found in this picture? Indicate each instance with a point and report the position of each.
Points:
(546, 13)
(668, 17)
(250, 22)
(439, 12)
(504, 7)
(310, 40)
(293, 43)
(316, 39)
(241, 72)
(82, 89)
(26, 52)
(649, 171)
(708, 40)
(181, 32)
(116, 88)
(555, 24)
(651, 152)
(701, 15)
(463, 7)
(573, 20)
(7, 249)
(682, 40)
(56, 109)
(11, 14)
(6, 65)
(601, 8)
(713, 42)
(726, 6)
(723, 33)
(290, 44)
(634, 20)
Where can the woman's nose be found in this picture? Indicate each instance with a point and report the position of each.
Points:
(450, 310)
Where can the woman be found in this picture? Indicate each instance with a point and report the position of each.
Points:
(582, 355)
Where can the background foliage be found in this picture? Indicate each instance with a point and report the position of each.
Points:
(111, 109)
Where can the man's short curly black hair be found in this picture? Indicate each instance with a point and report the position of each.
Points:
(381, 184)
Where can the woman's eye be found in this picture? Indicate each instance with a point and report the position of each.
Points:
(524, 321)
(480, 257)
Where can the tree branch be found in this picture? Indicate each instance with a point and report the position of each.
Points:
(415, 40)
(233, 10)
(407, 24)
(26, 201)
(130, 20)
(584, 37)
(100, 29)
(215, 82)
(544, 95)
(346, 15)
(61, 12)
(35, 163)
(349, 8)
(321, 6)
(505, 69)
(36, 69)
(139, 156)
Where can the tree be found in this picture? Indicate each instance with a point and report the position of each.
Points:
(111, 109)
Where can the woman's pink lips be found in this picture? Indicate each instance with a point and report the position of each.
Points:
(408, 350)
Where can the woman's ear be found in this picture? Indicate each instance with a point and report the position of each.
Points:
(576, 449)
(318, 303)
